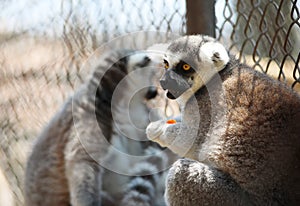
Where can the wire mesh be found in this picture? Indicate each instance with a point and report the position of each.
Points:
(265, 34)
(44, 44)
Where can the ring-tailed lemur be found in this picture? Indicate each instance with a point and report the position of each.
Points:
(240, 130)
(65, 166)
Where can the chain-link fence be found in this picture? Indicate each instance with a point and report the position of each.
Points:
(265, 34)
(44, 44)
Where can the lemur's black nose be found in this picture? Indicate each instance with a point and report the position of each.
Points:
(151, 93)
(167, 82)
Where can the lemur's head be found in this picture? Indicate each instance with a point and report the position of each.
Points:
(132, 93)
(126, 73)
(190, 63)
(142, 71)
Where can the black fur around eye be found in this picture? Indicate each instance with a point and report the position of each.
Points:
(184, 68)
(166, 64)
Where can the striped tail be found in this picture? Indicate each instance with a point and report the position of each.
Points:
(146, 188)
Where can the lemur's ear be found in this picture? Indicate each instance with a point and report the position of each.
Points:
(215, 53)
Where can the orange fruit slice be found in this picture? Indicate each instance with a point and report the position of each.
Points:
(171, 121)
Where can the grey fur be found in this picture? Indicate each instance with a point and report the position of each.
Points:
(145, 188)
(240, 130)
(64, 167)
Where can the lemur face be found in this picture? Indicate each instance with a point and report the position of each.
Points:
(190, 63)
(179, 77)
(143, 68)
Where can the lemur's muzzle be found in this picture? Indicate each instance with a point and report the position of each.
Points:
(174, 83)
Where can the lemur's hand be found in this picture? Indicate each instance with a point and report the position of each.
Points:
(158, 131)
(155, 129)
(174, 134)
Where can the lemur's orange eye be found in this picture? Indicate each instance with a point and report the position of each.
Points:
(166, 63)
(186, 67)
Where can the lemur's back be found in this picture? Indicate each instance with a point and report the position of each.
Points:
(261, 144)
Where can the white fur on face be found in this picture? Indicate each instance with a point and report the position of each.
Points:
(214, 58)
(134, 59)
(172, 60)
(131, 114)
(156, 52)
(198, 83)
(140, 77)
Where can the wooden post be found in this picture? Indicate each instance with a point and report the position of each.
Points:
(201, 17)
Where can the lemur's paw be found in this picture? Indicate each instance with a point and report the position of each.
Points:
(155, 129)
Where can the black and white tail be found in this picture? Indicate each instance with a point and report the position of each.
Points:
(146, 188)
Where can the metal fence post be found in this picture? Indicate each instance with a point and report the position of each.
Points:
(201, 17)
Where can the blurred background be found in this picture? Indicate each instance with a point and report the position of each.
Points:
(43, 45)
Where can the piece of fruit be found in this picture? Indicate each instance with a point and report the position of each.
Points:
(171, 121)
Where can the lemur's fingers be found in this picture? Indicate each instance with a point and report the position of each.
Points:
(155, 129)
